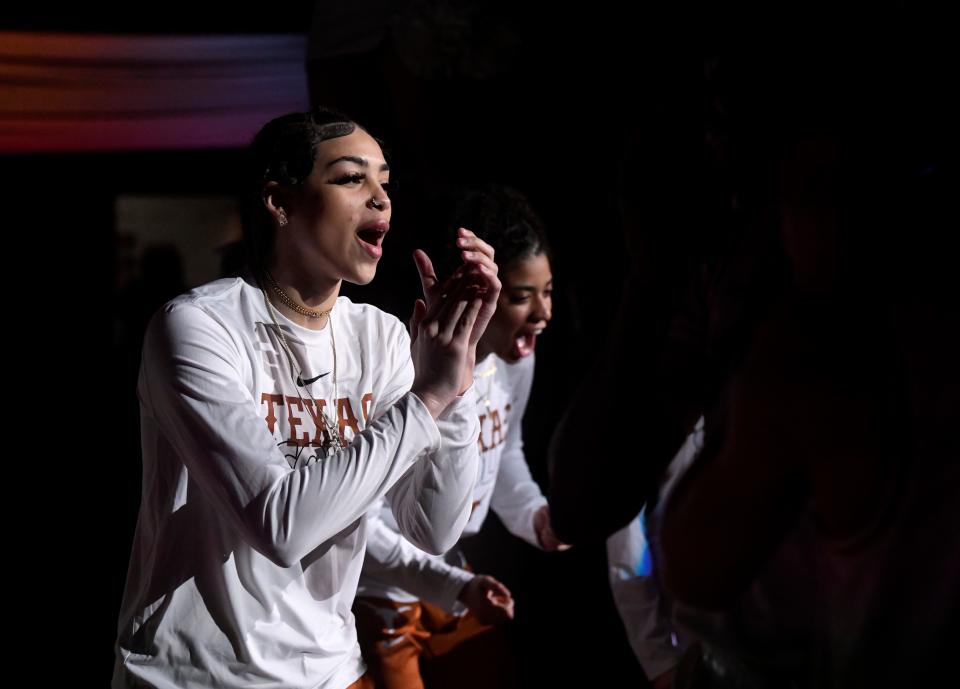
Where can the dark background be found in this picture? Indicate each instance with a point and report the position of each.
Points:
(555, 121)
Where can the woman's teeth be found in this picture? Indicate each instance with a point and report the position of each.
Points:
(523, 345)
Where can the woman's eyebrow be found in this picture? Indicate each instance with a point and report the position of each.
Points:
(528, 288)
(362, 162)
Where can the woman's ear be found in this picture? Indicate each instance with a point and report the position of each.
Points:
(275, 199)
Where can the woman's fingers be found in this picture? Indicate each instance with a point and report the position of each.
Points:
(450, 323)
(476, 258)
(478, 274)
(475, 251)
(489, 293)
(428, 276)
(451, 307)
(468, 241)
(466, 322)
(500, 590)
(419, 311)
(435, 295)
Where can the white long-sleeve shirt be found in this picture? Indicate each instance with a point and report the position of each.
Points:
(249, 541)
(646, 610)
(398, 570)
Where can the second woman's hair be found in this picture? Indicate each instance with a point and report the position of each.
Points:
(502, 217)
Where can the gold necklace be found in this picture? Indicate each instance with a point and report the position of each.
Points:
(286, 299)
(335, 441)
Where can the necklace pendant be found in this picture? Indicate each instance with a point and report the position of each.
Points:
(336, 444)
(334, 440)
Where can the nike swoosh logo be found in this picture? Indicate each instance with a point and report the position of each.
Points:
(302, 383)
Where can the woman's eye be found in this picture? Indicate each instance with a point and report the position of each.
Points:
(519, 299)
(354, 177)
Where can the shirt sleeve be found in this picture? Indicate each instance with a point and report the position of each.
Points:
(646, 610)
(191, 385)
(431, 501)
(392, 559)
(516, 496)
(639, 600)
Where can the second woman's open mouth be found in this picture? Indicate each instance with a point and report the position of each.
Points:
(525, 342)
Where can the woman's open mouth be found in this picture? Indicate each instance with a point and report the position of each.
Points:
(371, 237)
(525, 343)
